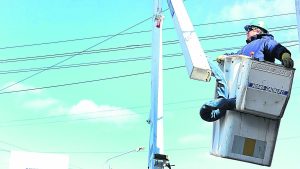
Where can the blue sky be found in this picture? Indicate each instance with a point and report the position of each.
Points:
(92, 122)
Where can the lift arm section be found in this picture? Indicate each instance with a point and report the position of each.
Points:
(195, 59)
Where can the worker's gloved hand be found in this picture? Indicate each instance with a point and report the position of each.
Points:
(220, 58)
(287, 61)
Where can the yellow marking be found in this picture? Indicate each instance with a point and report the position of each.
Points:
(249, 146)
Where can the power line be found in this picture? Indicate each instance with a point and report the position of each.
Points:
(259, 17)
(113, 152)
(72, 120)
(292, 45)
(134, 46)
(80, 64)
(167, 149)
(136, 32)
(8, 123)
(79, 39)
(65, 115)
(19, 122)
(81, 51)
(76, 54)
(117, 77)
(87, 81)
(113, 61)
(122, 60)
(87, 118)
(117, 152)
(70, 40)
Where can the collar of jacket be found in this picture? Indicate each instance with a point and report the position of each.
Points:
(259, 36)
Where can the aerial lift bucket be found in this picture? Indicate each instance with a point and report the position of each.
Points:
(262, 90)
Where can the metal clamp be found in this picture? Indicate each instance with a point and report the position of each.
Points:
(161, 161)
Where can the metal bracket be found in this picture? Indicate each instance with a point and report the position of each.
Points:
(159, 19)
(161, 161)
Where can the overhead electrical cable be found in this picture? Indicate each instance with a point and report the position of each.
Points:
(108, 78)
(108, 38)
(137, 32)
(88, 118)
(87, 81)
(134, 46)
(11, 122)
(24, 70)
(97, 44)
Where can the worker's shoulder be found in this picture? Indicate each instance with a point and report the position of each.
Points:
(267, 37)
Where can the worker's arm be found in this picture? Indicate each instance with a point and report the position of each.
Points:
(278, 51)
(221, 58)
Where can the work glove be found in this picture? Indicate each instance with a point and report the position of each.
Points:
(220, 58)
(287, 61)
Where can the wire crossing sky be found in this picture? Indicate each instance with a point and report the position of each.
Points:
(129, 33)
(64, 60)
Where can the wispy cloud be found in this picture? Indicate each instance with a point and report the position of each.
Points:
(40, 103)
(90, 110)
(59, 110)
(257, 8)
(19, 86)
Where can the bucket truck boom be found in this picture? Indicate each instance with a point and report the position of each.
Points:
(262, 90)
(195, 59)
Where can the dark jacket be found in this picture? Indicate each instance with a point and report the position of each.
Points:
(265, 48)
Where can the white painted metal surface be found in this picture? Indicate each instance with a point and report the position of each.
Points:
(156, 112)
(266, 90)
(245, 137)
(262, 90)
(195, 59)
(297, 5)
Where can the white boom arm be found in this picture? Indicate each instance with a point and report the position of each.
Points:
(195, 59)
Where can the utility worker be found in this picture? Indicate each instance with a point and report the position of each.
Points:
(262, 47)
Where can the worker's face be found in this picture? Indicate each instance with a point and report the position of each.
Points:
(252, 32)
